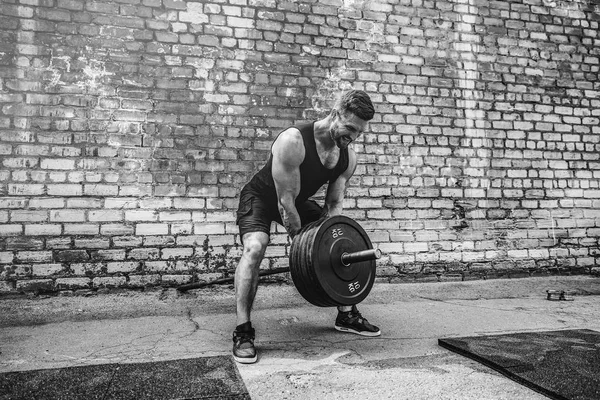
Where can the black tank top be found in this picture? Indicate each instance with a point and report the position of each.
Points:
(313, 174)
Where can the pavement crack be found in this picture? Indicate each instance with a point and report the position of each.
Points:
(454, 303)
(189, 317)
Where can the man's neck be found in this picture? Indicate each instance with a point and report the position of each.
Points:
(322, 133)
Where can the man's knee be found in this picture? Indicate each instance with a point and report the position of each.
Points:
(255, 245)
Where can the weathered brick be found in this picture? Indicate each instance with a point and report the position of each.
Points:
(81, 229)
(122, 267)
(29, 216)
(144, 280)
(141, 215)
(6, 287)
(67, 216)
(72, 256)
(11, 230)
(171, 254)
(25, 189)
(57, 164)
(35, 285)
(33, 256)
(108, 255)
(109, 282)
(6, 257)
(100, 190)
(47, 203)
(176, 280)
(73, 283)
(92, 243)
(105, 215)
(116, 230)
(42, 230)
(151, 229)
(64, 190)
(156, 266)
(45, 270)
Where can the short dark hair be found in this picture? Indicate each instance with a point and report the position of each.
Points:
(358, 103)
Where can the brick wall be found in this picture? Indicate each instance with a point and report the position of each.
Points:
(127, 128)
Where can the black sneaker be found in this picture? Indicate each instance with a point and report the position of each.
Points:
(353, 322)
(243, 344)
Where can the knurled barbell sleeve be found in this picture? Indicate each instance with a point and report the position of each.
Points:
(364, 255)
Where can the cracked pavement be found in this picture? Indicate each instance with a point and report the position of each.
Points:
(300, 354)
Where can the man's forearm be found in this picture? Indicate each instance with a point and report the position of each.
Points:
(333, 209)
(291, 219)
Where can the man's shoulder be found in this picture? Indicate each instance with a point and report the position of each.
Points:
(301, 127)
(289, 147)
(290, 136)
(304, 125)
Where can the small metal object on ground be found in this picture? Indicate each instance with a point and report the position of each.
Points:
(553, 294)
(568, 296)
(558, 295)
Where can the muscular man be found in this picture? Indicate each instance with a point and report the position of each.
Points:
(303, 159)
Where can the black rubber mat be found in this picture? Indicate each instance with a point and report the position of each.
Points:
(197, 378)
(559, 364)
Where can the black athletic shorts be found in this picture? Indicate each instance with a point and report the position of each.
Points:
(255, 215)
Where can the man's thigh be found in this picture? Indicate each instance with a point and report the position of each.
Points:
(254, 215)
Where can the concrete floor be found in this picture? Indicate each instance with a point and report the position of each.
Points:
(301, 356)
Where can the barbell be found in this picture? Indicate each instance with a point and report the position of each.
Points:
(332, 263)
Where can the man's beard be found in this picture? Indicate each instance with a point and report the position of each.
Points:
(339, 142)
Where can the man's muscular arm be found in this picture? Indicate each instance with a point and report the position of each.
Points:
(336, 190)
(288, 154)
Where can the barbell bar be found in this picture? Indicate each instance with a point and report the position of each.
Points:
(347, 259)
(332, 263)
(358, 256)
(229, 279)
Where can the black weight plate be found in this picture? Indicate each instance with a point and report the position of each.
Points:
(316, 267)
(301, 266)
(342, 285)
(296, 265)
(317, 294)
(306, 287)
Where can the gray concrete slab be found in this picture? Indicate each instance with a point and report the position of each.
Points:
(300, 354)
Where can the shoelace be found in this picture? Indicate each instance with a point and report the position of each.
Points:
(360, 319)
(355, 315)
(244, 337)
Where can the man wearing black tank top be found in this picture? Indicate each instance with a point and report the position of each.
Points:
(303, 158)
